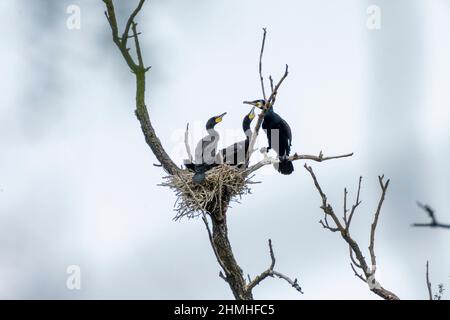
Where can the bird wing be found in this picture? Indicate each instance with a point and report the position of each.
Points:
(234, 153)
(209, 149)
(287, 130)
(206, 149)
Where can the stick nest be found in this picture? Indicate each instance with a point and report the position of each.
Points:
(222, 185)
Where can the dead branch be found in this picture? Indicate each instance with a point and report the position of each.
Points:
(319, 158)
(268, 102)
(440, 287)
(138, 68)
(431, 213)
(430, 293)
(186, 143)
(270, 272)
(356, 256)
(260, 63)
(383, 187)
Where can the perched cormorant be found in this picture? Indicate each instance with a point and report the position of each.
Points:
(235, 154)
(205, 152)
(279, 133)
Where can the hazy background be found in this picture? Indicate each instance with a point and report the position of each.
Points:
(77, 181)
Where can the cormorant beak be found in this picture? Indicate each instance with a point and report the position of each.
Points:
(256, 103)
(219, 118)
(251, 115)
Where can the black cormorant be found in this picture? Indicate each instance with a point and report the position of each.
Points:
(279, 136)
(205, 152)
(235, 154)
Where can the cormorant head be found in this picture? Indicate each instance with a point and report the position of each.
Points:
(248, 120)
(214, 120)
(260, 103)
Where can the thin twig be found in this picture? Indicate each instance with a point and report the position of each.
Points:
(186, 143)
(430, 293)
(354, 206)
(137, 45)
(356, 273)
(130, 21)
(271, 100)
(260, 64)
(383, 187)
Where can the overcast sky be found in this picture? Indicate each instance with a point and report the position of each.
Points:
(77, 181)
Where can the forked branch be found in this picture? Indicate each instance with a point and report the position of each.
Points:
(270, 272)
(358, 261)
(137, 66)
(268, 102)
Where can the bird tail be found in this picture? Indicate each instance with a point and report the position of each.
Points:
(189, 166)
(200, 174)
(284, 166)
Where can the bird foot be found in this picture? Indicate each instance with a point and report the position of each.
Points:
(267, 159)
(270, 160)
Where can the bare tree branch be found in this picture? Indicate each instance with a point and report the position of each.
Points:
(271, 84)
(139, 69)
(138, 46)
(270, 272)
(260, 64)
(383, 186)
(319, 158)
(434, 223)
(354, 206)
(130, 22)
(357, 258)
(274, 93)
(356, 272)
(186, 143)
(272, 88)
(268, 102)
(430, 293)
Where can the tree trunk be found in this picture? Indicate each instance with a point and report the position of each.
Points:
(233, 273)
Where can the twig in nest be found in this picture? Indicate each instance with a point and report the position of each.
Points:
(222, 184)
